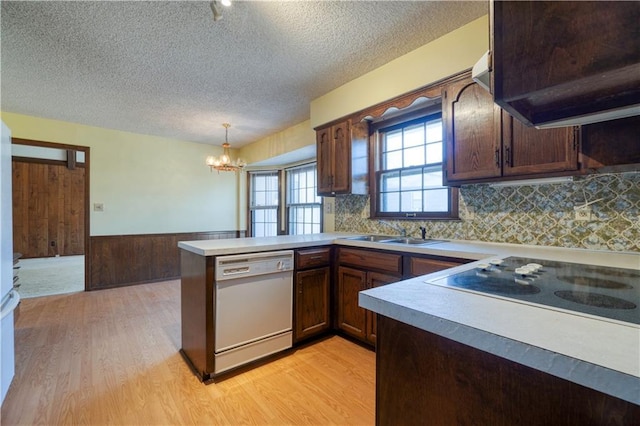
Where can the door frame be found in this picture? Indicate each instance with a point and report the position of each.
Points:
(87, 162)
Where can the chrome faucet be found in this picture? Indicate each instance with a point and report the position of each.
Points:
(398, 228)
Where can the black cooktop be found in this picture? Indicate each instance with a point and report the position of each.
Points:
(601, 291)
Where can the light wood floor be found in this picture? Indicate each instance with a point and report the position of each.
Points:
(111, 357)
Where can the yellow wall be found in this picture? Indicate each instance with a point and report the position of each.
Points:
(148, 184)
(288, 140)
(447, 55)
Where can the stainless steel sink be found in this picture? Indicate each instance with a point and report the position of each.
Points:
(373, 238)
(412, 241)
(393, 239)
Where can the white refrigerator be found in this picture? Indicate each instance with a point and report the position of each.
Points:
(10, 297)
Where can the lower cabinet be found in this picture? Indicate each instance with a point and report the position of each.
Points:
(312, 293)
(312, 302)
(357, 273)
(417, 266)
(423, 378)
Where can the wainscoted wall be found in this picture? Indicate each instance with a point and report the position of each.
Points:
(534, 214)
(120, 260)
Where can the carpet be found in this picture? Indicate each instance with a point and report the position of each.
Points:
(51, 275)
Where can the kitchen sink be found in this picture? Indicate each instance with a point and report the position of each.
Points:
(393, 239)
(411, 241)
(373, 238)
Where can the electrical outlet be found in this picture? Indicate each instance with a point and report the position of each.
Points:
(583, 213)
(328, 207)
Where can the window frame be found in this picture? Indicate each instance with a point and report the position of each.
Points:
(251, 209)
(282, 221)
(288, 204)
(398, 121)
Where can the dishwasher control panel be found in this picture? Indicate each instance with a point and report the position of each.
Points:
(253, 264)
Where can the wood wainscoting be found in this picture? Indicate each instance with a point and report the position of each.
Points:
(122, 260)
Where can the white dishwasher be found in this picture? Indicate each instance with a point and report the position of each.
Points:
(253, 307)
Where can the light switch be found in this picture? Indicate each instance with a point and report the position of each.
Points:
(98, 207)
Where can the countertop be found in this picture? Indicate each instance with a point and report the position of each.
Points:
(599, 354)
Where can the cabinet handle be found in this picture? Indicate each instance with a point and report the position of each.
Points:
(497, 157)
(315, 257)
(507, 156)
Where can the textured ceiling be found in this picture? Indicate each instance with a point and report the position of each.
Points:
(167, 69)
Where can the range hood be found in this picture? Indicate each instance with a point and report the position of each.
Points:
(481, 74)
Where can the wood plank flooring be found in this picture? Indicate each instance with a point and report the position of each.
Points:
(111, 357)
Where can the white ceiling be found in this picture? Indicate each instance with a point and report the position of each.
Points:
(167, 69)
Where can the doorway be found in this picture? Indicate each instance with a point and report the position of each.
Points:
(50, 216)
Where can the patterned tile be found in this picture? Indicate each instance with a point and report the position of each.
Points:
(530, 214)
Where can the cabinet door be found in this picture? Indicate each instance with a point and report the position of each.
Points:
(324, 144)
(312, 303)
(527, 150)
(473, 138)
(422, 266)
(351, 317)
(341, 158)
(376, 279)
(611, 144)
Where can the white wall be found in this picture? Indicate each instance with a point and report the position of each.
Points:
(147, 184)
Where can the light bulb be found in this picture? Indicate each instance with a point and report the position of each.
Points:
(226, 2)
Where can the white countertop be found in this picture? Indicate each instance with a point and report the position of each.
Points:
(252, 245)
(597, 353)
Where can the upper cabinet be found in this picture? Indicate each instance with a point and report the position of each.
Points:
(472, 132)
(484, 143)
(342, 158)
(557, 63)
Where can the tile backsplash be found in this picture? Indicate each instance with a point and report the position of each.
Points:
(531, 214)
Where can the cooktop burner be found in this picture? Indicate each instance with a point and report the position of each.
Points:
(594, 299)
(612, 293)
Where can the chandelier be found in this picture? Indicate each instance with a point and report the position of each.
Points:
(224, 163)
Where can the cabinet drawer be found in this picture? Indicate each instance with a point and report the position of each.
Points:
(421, 266)
(311, 258)
(371, 260)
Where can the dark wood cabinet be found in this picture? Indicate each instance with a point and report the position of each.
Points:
(312, 293)
(351, 317)
(423, 378)
(375, 279)
(417, 266)
(611, 145)
(531, 151)
(485, 143)
(472, 123)
(558, 60)
(360, 270)
(342, 158)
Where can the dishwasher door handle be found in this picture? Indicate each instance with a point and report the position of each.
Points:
(235, 271)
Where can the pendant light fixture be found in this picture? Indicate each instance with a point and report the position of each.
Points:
(224, 162)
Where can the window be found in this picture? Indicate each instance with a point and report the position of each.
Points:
(304, 206)
(409, 173)
(263, 204)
